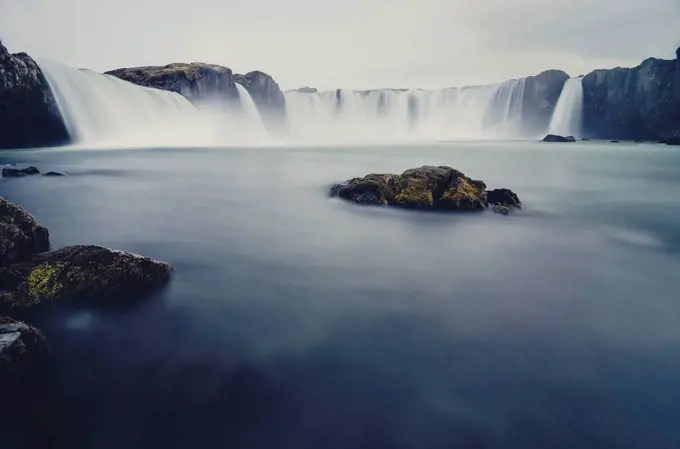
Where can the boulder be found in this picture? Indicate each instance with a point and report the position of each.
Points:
(80, 272)
(556, 138)
(265, 92)
(29, 115)
(54, 173)
(23, 352)
(19, 173)
(20, 234)
(202, 84)
(427, 187)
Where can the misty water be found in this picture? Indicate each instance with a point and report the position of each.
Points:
(298, 321)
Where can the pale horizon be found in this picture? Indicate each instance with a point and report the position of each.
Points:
(396, 44)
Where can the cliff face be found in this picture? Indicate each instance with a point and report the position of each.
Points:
(267, 96)
(541, 93)
(29, 115)
(641, 102)
(200, 83)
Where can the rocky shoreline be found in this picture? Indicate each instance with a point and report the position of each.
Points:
(32, 276)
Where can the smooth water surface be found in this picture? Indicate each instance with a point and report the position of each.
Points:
(299, 321)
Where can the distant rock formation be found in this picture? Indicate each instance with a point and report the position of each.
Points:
(638, 103)
(202, 84)
(541, 93)
(429, 188)
(556, 138)
(267, 96)
(29, 115)
(307, 90)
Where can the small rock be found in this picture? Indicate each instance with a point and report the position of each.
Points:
(54, 173)
(80, 272)
(499, 208)
(20, 234)
(556, 138)
(614, 141)
(23, 351)
(18, 173)
(675, 141)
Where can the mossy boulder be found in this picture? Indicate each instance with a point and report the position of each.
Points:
(20, 234)
(428, 188)
(23, 351)
(80, 272)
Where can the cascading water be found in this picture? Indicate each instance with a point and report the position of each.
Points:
(100, 108)
(567, 118)
(250, 115)
(457, 113)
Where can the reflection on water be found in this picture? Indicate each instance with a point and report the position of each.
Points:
(298, 321)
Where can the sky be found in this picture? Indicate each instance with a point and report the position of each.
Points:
(349, 43)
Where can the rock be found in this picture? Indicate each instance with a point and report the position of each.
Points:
(18, 173)
(265, 92)
(541, 93)
(672, 141)
(500, 209)
(202, 84)
(556, 138)
(23, 352)
(640, 103)
(80, 272)
(29, 115)
(614, 141)
(20, 234)
(307, 90)
(54, 173)
(427, 187)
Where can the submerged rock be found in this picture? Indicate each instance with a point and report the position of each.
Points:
(427, 187)
(23, 351)
(29, 115)
(19, 173)
(20, 234)
(80, 272)
(556, 138)
(54, 173)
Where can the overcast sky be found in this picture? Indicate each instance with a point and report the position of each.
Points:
(349, 43)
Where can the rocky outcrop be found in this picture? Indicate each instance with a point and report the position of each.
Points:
(29, 115)
(20, 234)
(266, 94)
(556, 138)
(23, 352)
(80, 272)
(429, 188)
(19, 172)
(202, 84)
(307, 90)
(541, 93)
(638, 103)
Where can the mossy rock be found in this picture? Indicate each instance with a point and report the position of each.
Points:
(426, 187)
(80, 272)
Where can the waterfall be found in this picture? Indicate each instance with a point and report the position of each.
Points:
(250, 116)
(478, 112)
(100, 108)
(568, 115)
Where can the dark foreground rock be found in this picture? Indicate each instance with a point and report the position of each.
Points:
(23, 352)
(19, 172)
(556, 138)
(200, 83)
(20, 234)
(80, 272)
(429, 188)
(29, 115)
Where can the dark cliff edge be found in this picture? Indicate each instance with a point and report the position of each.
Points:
(29, 115)
(637, 103)
(202, 84)
(267, 95)
(541, 93)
